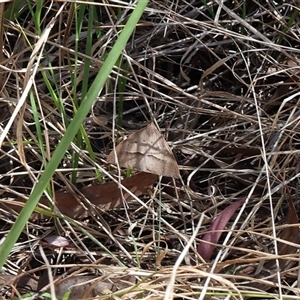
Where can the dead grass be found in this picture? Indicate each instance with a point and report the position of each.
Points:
(222, 83)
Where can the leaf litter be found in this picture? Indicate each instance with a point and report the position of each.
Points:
(228, 102)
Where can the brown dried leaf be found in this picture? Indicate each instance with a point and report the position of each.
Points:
(146, 150)
(105, 196)
(289, 234)
(16, 281)
(108, 196)
(269, 268)
(80, 287)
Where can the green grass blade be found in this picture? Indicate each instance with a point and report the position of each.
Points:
(71, 131)
(15, 9)
(290, 23)
(39, 135)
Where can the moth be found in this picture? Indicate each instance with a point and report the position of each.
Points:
(146, 150)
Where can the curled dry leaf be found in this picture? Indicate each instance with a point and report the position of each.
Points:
(105, 196)
(146, 150)
(267, 270)
(290, 234)
(205, 247)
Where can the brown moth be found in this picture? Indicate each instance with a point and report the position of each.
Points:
(146, 150)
